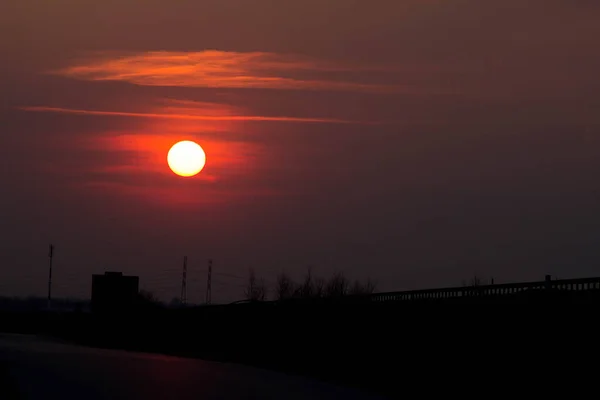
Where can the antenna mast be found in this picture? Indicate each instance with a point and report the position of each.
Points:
(208, 283)
(184, 282)
(50, 256)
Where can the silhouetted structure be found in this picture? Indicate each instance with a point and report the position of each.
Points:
(377, 330)
(50, 256)
(209, 283)
(183, 298)
(114, 292)
(522, 291)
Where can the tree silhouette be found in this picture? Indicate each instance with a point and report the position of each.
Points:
(306, 289)
(475, 281)
(255, 290)
(175, 302)
(147, 296)
(285, 287)
(311, 287)
(148, 300)
(337, 285)
(359, 288)
(319, 287)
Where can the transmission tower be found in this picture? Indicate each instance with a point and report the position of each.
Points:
(50, 256)
(208, 282)
(184, 282)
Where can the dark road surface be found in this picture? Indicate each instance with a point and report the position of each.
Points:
(37, 368)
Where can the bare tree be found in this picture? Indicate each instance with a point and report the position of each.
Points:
(307, 289)
(147, 296)
(319, 287)
(255, 290)
(337, 285)
(359, 288)
(356, 288)
(370, 286)
(148, 300)
(261, 291)
(250, 290)
(285, 287)
(475, 281)
(175, 302)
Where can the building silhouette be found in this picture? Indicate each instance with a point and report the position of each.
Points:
(114, 292)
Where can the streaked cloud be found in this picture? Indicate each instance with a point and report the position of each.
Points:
(226, 69)
(195, 117)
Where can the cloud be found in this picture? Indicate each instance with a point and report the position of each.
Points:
(134, 163)
(225, 69)
(185, 116)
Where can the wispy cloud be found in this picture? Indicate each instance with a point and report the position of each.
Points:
(193, 117)
(224, 69)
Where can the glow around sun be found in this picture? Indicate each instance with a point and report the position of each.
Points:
(186, 158)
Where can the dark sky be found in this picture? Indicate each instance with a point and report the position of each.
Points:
(415, 142)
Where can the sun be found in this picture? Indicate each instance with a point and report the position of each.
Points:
(186, 158)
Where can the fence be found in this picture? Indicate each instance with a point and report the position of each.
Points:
(584, 284)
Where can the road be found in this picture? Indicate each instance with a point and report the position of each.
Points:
(36, 368)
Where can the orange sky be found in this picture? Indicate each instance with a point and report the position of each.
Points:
(416, 142)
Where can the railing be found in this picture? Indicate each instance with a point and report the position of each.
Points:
(584, 284)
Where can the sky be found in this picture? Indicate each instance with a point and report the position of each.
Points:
(414, 142)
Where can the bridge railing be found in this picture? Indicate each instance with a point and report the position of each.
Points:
(583, 284)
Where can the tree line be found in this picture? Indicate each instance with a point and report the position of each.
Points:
(311, 287)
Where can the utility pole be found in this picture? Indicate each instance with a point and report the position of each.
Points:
(183, 282)
(50, 256)
(208, 283)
